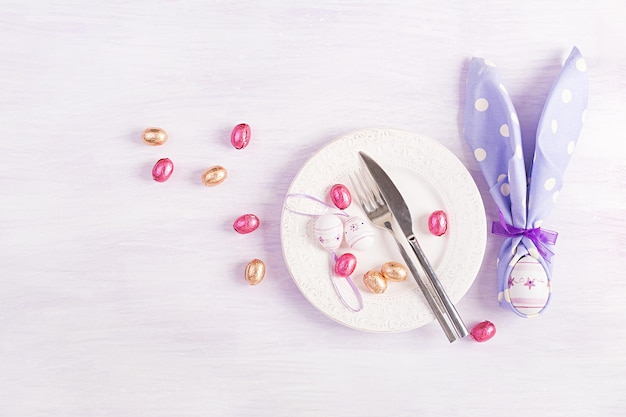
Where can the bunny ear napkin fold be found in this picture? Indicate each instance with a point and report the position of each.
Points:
(524, 199)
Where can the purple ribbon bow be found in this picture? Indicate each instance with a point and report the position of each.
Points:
(540, 237)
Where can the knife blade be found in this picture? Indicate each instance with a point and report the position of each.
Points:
(400, 210)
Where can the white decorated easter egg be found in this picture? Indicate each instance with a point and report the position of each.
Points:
(528, 288)
(359, 233)
(328, 231)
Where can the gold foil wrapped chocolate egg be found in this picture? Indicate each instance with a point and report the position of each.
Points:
(214, 176)
(394, 271)
(375, 282)
(154, 136)
(255, 272)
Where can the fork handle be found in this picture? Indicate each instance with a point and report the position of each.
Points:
(453, 314)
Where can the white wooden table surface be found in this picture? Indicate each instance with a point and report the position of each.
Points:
(120, 296)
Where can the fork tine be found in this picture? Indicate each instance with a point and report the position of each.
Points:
(374, 190)
(357, 187)
(364, 194)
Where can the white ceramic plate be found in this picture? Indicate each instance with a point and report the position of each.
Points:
(430, 178)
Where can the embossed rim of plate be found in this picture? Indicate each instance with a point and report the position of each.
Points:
(410, 150)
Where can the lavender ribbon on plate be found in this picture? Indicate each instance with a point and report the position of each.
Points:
(524, 199)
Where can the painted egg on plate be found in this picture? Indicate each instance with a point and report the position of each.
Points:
(528, 288)
(328, 231)
(359, 234)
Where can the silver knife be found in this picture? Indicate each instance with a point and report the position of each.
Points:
(400, 211)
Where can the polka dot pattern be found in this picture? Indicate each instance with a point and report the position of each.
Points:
(557, 134)
(492, 130)
(505, 189)
(570, 147)
(566, 95)
(481, 104)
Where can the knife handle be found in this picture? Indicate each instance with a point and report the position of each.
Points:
(432, 299)
(456, 320)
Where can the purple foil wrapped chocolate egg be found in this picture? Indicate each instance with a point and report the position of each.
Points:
(246, 223)
(483, 331)
(240, 136)
(438, 222)
(340, 196)
(345, 265)
(162, 170)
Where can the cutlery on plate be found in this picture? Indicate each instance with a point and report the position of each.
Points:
(385, 207)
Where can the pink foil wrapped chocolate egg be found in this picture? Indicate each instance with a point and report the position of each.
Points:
(240, 136)
(246, 223)
(345, 265)
(483, 331)
(340, 196)
(438, 222)
(162, 170)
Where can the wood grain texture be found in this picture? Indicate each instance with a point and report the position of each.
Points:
(120, 296)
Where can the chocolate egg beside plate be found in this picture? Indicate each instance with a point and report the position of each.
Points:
(255, 272)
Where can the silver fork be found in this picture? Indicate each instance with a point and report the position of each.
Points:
(377, 211)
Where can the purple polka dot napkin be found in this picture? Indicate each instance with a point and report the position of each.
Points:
(524, 199)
